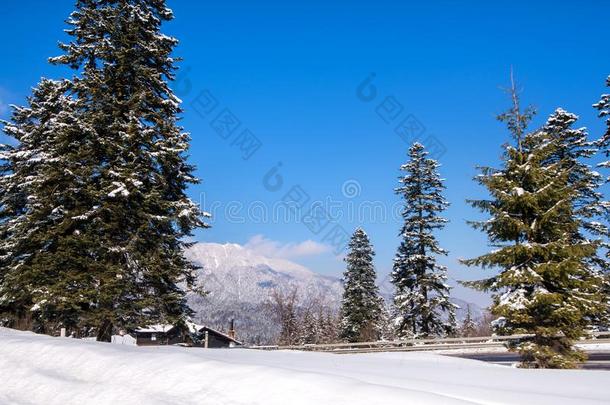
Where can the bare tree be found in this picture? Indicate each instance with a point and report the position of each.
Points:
(300, 320)
(285, 309)
(484, 325)
(328, 325)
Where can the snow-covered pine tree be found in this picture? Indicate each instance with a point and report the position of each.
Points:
(137, 212)
(309, 332)
(361, 303)
(469, 326)
(603, 106)
(44, 285)
(572, 149)
(327, 326)
(546, 285)
(591, 210)
(143, 213)
(385, 324)
(421, 299)
(12, 203)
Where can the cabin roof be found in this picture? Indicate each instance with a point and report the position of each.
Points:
(155, 329)
(192, 327)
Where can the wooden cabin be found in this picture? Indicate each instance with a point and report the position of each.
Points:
(191, 335)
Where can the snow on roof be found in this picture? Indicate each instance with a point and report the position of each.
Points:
(155, 329)
(224, 335)
(192, 328)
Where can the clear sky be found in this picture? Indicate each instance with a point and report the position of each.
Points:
(290, 73)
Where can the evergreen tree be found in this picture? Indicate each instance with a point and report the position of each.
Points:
(114, 256)
(422, 298)
(12, 202)
(604, 112)
(309, 328)
(591, 210)
(469, 326)
(604, 144)
(546, 285)
(571, 149)
(43, 286)
(386, 328)
(361, 305)
(327, 327)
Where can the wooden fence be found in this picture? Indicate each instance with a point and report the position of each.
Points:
(423, 344)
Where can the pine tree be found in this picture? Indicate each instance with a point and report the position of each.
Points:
(309, 328)
(115, 254)
(546, 285)
(603, 106)
(572, 149)
(327, 326)
(361, 305)
(604, 144)
(469, 326)
(422, 297)
(386, 328)
(43, 284)
(591, 210)
(12, 203)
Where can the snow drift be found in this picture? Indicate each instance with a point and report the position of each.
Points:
(43, 370)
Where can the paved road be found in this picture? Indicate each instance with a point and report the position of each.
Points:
(597, 360)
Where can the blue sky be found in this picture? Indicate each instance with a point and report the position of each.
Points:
(289, 72)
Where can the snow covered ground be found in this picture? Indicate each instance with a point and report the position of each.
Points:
(42, 370)
(589, 347)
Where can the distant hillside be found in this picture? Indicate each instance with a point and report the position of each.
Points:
(240, 283)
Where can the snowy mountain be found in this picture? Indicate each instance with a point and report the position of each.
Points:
(240, 282)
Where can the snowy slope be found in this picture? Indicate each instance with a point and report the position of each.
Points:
(43, 370)
(232, 272)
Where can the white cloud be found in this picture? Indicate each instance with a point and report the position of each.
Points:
(275, 249)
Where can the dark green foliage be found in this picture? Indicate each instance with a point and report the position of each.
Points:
(101, 242)
(603, 106)
(361, 304)
(421, 301)
(547, 284)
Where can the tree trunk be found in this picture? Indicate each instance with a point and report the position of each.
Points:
(104, 333)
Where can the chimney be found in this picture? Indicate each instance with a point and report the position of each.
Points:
(232, 329)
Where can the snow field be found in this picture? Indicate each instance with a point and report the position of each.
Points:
(43, 370)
